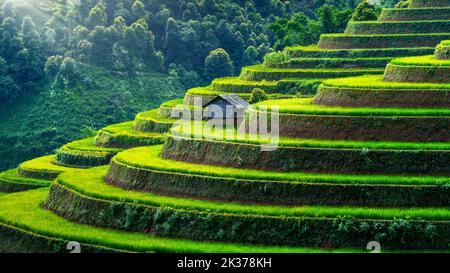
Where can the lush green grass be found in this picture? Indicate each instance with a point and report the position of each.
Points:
(207, 91)
(431, 9)
(408, 14)
(261, 72)
(86, 153)
(44, 164)
(203, 131)
(422, 35)
(338, 60)
(345, 41)
(153, 115)
(400, 27)
(314, 51)
(237, 81)
(23, 211)
(3, 194)
(88, 145)
(421, 61)
(10, 176)
(262, 68)
(90, 183)
(125, 129)
(376, 82)
(123, 135)
(175, 103)
(148, 158)
(304, 107)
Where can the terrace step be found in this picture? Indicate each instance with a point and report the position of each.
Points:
(260, 73)
(152, 122)
(142, 169)
(84, 154)
(415, 14)
(346, 41)
(372, 91)
(299, 118)
(24, 222)
(109, 207)
(362, 63)
(316, 52)
(206, 94)
(401, 27)
(11, 182)
(443, 51)
(309, 155)
(43, 168)
(123, 135)
(285, 86)
(430, 3)
(418, 69)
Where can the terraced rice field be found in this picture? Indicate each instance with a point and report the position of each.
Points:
(362, 154)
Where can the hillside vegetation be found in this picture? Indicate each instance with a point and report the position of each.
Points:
(67, 70)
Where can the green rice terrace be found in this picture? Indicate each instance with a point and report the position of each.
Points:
(363, 154)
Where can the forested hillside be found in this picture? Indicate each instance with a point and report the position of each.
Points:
(66, 65)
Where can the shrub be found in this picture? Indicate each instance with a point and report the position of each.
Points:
(218, 64)
(366, 12)
(404, 4)
(275, 58)
(258, 95)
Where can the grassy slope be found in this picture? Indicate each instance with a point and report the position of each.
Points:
(421, 61)
(90, 183)
(148, 158)
(376, 82)
(39, 123)
(205, 131)
(305, 106)
(29, 216)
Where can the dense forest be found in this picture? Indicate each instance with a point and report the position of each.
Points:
(69, 67)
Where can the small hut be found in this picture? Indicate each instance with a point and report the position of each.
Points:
(227, 107)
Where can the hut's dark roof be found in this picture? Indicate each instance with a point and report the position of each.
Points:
(233, 99)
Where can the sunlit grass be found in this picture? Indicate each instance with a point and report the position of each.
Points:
(421, 61)
(262, 68)
(10, 176)
(305, 106)
(126, 130)
(153, 115)
(90, 183)
(44, 164)
(88, 145)
(148, 158)
(23, 211)
(376, 82)
(201, 130)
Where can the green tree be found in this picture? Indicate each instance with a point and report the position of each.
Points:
(138, 10)
(208, 6)
(52, 66)
(97, 16)
(218, 64)
(30, 35)
(8, 9)
(191, 12)
(69, 73)
(172, 41)
(327, 19)
(103, 40)
(251, 55)
(8, 87)
(366, 11)
(257, 95)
